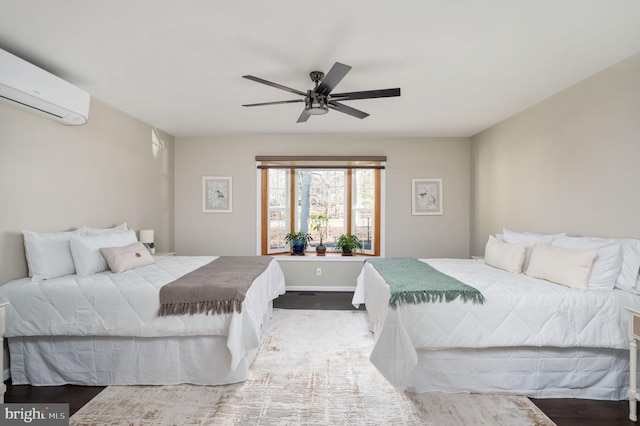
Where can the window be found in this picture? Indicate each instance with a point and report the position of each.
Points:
(297, 189)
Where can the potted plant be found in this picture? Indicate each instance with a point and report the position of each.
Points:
(319, 223)
(298, 241)
(348, 243)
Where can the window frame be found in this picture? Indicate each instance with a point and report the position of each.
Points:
(348, 164)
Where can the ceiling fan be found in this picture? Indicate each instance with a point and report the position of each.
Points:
(318, 100)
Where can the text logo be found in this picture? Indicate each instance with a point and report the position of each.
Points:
(35, 414)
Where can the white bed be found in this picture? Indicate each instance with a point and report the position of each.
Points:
(531, 337)
(104, 329)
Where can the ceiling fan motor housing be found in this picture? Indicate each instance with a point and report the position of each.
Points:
(315, 103)
(316, 76)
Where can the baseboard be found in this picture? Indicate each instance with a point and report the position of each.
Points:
(320, 288)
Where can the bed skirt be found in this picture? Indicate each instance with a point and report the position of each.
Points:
(587, 373)
(103, 361)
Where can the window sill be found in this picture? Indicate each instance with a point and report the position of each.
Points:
(330, 257)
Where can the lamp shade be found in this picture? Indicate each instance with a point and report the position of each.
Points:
(146, 236)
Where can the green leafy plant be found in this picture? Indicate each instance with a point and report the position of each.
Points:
(298, 236)
(348, 243)
(319, 223)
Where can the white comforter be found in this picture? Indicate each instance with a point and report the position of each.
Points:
(126, 304)
(519, 311)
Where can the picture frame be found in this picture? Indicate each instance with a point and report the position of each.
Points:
(217, 194)
(426, 196)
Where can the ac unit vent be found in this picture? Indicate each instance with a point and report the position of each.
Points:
(33, 89)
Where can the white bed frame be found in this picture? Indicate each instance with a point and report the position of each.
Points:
(585, 373)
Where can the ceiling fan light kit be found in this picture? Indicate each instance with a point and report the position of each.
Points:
(315, 104)
(317, 101)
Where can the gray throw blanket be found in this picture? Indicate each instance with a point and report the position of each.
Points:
(217, 287)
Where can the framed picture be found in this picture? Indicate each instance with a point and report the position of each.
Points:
(426, 196)
(216, 194)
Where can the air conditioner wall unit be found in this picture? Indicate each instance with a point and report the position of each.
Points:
(28, 87)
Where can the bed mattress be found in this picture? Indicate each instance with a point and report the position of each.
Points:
(520, 311)
(127, 304)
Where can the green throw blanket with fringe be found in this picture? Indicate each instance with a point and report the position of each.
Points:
(413, 281)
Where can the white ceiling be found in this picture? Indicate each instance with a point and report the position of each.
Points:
(462, 65)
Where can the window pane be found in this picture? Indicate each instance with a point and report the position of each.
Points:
(277, 210)
(321, 192)
(277, 188)
(364, 184)
(277, 230)
(363, 220)
(363, 207)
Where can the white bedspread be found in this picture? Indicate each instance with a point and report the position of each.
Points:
(519, 312)
(126, 304)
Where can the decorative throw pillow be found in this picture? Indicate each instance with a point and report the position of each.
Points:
(122, 259)
(48, 254)
(570, 268)
(509, 257)
(85, 249)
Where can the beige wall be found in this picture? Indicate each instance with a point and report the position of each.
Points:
(568, 164)
(54, 178)
(335, 275)
(406, 235)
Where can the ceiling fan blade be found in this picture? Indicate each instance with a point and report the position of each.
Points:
(275, 102)
(347, 109)
(367, 94)
(332, 78)
(303, 117)
(276, 85)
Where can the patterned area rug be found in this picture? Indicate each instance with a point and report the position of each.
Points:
(313, 369)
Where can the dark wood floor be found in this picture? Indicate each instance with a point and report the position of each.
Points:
(564, 412)
(327, 300)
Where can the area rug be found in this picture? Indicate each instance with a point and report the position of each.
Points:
(313, 369)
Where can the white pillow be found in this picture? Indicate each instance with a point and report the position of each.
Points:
(519, 237)
(89, 230)
(509, 257)
(570, 268)
(530, 238)
(630, 265)
(606, 267)
(48, 254)
(85, 249)
(122, 259)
